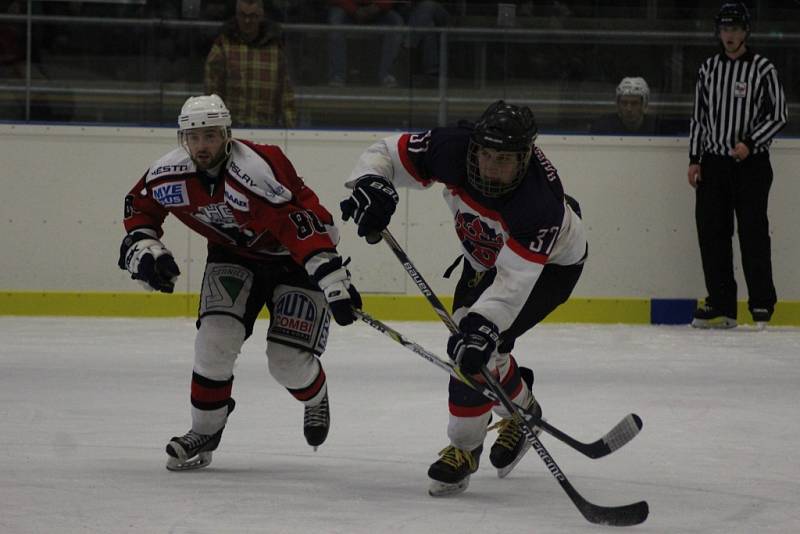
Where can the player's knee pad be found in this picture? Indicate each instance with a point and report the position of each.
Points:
(218, 342)
(299, 318)
(291, 367)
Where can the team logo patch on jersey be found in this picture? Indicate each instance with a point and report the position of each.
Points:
(740, 89)
(236, 200)
(169, 169)
(478, 238)
(295, 316)
(171, 194)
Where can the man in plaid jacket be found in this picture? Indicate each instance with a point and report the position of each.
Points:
(247, 67)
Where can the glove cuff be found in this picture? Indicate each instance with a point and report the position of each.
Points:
(333, 279)
(139, 250)
(475, 322)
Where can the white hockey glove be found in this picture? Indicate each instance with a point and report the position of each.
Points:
(148, 261)
(334, 281)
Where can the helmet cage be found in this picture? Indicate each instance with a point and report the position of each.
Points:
(491, 188)
(505, 128)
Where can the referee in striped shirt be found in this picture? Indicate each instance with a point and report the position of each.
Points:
(739, 107)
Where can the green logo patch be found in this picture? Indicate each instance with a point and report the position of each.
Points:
(233, 286)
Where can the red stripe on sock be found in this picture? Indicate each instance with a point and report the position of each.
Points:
(206, 394)
(469, 411)
(309, 392)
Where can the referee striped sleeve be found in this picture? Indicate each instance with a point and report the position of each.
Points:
(775, 114)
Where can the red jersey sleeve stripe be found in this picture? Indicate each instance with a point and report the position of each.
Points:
(525, 253)
(402, 150)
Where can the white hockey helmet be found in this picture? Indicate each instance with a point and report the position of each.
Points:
(203, 111)
(634, 86)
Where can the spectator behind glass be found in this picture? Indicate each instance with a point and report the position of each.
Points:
(426, 14)
(247, 67)
(633, 95)
(363, 12)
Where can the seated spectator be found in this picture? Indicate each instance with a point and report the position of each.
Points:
(426, 14)
(247, 67)
(363, 12)
(631, 117)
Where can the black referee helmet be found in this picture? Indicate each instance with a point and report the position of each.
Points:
(733, 14)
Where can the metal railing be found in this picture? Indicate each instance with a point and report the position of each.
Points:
(447, 37)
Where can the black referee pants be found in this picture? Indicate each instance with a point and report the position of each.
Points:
(727, 188)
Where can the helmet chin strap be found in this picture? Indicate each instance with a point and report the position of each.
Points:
(741, 44)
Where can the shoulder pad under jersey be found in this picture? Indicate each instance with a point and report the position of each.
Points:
(173, 163)
(251, 171)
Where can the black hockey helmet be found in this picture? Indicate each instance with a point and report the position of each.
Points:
(505, 128)
(733, 14)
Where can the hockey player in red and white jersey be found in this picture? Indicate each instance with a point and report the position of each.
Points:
(524, 245)
(270, 242)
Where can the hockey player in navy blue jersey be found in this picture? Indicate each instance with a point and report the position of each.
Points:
(524, 245)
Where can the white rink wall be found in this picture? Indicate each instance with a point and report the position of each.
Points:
(64, 187)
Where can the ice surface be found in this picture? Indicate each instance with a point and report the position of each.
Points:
(87, 406)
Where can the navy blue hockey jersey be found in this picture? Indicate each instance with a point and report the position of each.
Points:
(517, 234)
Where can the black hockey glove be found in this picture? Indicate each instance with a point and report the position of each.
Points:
(334, 281)
(149, 261)
(371, 206)
(473, 346)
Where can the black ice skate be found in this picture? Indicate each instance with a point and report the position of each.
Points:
(511, 444)
(709, 317)
(193, 450)
(450, 473)
(761, 317)
(316, 422)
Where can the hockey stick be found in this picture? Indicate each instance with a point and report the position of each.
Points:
(626, 515)
(622, 433)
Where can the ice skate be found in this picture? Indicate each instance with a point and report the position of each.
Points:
(708, 317)
(193, 450)
(316, 422)
(511, 444)
(450, 473)
(761, 317)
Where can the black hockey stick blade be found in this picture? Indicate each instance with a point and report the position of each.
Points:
(615, 516)
(621, 516)
(631, 514)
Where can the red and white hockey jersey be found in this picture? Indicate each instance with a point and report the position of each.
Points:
(259, 207)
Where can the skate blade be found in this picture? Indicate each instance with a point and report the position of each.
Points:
(503, 472)
(203, 459)
(714, 324)
(444, 489)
